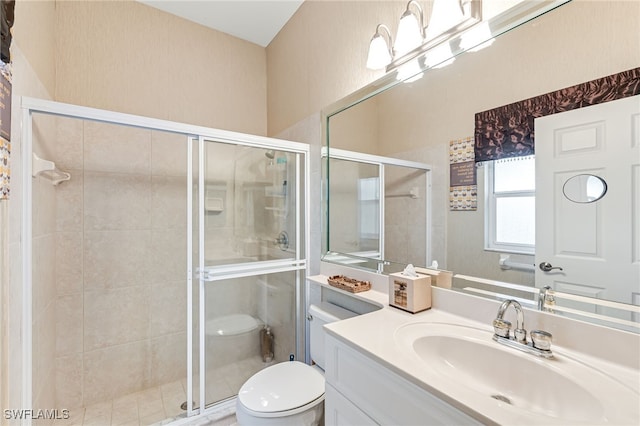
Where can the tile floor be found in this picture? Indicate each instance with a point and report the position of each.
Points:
(161, 405)
(136, 409)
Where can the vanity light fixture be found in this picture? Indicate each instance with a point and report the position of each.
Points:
(380, 53)
(415, 40)
(411, 31)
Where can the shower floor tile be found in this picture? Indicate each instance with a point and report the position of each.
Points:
(161, 404)
(137, 409)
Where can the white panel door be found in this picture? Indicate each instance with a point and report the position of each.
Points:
(596, 244)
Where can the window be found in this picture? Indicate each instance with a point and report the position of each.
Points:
(510, 216)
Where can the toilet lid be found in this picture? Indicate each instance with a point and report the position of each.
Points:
(282, 387)
(231, 325)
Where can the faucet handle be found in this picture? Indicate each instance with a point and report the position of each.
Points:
(541, 339)
(521, 335)
(501, 327)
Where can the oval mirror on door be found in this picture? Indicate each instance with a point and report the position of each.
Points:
(584, 188)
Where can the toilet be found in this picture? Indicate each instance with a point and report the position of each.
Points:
(291, 392)
(232, 337)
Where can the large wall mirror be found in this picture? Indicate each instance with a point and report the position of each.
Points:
(576, 42)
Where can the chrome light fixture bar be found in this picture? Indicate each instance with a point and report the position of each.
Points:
(448, 19)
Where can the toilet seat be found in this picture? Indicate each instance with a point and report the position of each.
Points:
(287, 387)
(231, 325)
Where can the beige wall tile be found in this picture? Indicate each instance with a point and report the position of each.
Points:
(68, 384)
(114, 371)
(69, 202)
(44, 204)
(116, 201)
(45, 397)
(115, 316)
(116, 148)
(167, 309)
(168, 255)
(167, 359)
(43, 136)
(232, 296)
(128, 249)
(44, 363)
(168, 154)
(68, 269)
(169, 202)
(69, 324)
(98, 413)
(43, 279)
(69, 153)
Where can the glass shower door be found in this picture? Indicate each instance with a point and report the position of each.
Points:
(250, 261)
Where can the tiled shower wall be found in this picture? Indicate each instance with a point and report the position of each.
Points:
(120, 260)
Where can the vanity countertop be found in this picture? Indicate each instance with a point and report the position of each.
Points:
(375, 335)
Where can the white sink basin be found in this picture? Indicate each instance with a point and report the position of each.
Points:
(475, 366)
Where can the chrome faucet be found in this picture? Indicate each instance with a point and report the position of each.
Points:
(541, 340)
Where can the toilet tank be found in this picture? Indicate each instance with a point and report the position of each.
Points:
(322, 314)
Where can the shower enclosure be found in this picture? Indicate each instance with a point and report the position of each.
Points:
(155, 257)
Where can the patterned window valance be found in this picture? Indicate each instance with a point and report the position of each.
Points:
(508, 131)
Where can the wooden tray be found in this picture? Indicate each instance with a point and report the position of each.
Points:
(348, 284)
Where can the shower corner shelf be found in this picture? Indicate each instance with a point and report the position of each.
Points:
(48, 170)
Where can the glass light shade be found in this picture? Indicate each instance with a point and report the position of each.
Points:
(440, 56)
(409, 34)
(445, 14)
(379, 56)
(477, 38)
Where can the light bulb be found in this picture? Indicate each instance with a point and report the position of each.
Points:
(409, 34)
(379, 56)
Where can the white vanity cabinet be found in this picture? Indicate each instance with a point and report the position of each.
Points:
(361, 391)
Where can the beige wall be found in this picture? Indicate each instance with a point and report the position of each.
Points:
(128, 57)
(320, 55)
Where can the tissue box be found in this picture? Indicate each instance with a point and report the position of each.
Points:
(411, 294)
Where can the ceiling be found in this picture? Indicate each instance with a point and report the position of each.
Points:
(257, 21)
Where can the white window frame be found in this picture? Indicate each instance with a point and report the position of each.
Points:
(490, 219)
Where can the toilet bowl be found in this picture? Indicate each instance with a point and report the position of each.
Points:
(291, 392)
